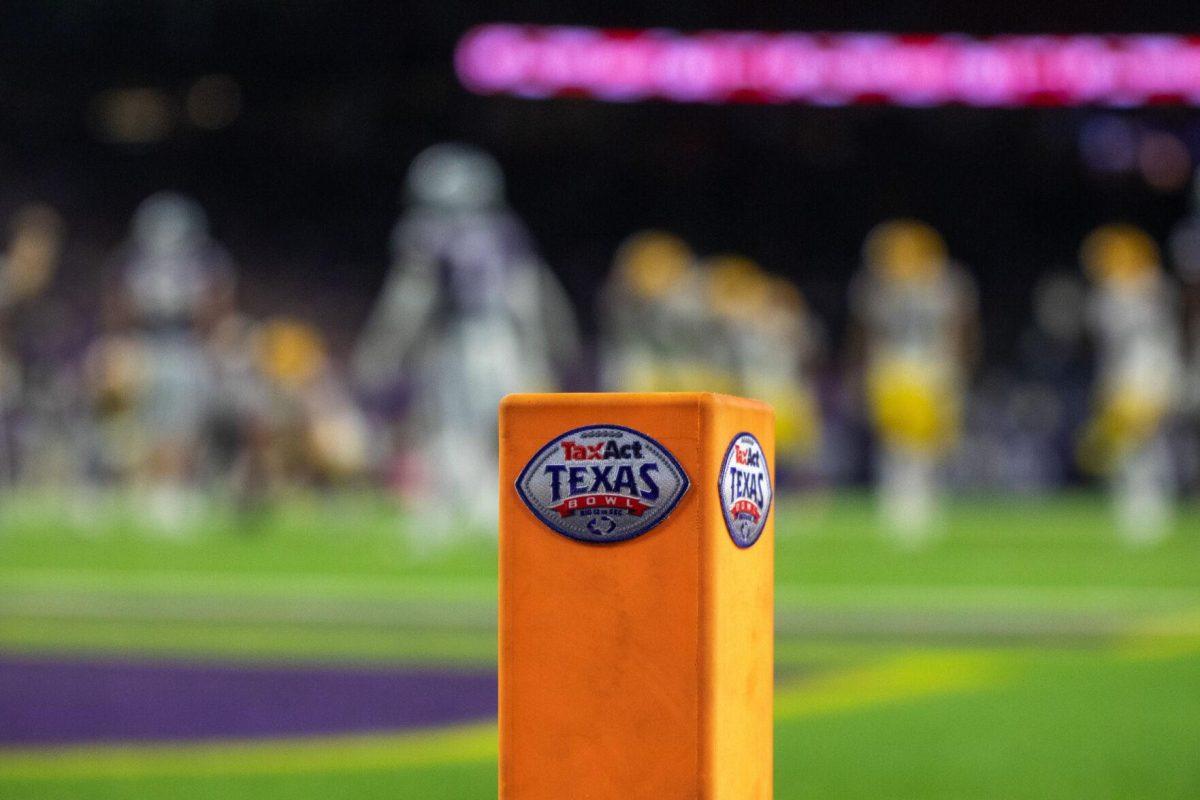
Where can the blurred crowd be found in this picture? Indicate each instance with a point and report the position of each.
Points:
(178, 394)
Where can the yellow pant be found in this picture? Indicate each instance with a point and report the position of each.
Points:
(913, 405)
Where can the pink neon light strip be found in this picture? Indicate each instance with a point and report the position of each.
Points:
(830, 69)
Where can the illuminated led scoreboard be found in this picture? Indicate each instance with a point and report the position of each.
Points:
(830, 68)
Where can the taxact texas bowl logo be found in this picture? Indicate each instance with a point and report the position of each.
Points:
(745, 489)
(602, 483)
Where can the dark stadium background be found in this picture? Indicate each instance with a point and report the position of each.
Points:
(336, 98)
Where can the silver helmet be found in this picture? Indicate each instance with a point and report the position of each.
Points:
(169, 221)
(455, 177)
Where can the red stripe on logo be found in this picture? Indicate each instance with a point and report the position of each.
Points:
(745, 507)
(614, 501)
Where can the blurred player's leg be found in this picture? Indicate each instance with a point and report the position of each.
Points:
(1133, 316)
(174, 413)
(1143, 491)
(908, 487)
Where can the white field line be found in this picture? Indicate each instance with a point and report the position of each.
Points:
(442, 590)
(250, 584)
(469, 604)
(145, 609)
(402, 616)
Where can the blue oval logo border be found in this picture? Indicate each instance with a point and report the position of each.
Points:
(721, 496)
(685, 484)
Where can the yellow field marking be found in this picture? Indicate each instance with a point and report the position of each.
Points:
(1162, 637)
(268, 584)
(906, 677)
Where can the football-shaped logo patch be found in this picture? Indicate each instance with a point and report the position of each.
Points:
(602, 483)
(745, 489)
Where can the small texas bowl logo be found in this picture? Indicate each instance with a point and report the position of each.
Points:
(745, 489)
(602, 483)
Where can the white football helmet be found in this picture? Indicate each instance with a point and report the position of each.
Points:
(455, 177)
(167, 222)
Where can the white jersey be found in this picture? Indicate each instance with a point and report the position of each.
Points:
(667, 343)
(169, 288)
(1138, 339)
(915, 320)
(472, 281)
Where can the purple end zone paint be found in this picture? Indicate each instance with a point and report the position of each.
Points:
(50, 701)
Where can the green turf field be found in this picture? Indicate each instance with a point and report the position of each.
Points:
(1025, 654)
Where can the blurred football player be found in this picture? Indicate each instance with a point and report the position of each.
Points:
(647, 309)
(735, 294)
(916, 323)
(468, 314)
(174, 280)
(239, 424)
(776, 367)
(37, 395)
(319, 436)
(763, 345)
(114, 378)
(34, 247)
(1133, 316)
